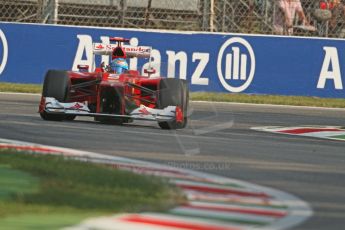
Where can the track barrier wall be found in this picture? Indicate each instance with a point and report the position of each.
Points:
(211, 62)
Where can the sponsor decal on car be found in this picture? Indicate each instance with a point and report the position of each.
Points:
(100, 46)
(77, 106)
(144, 111)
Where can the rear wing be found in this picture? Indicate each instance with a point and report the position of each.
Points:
(131, 51)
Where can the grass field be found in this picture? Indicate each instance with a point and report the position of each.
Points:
(50, 192)
(270, 99)
(222, 97)
(20, 88)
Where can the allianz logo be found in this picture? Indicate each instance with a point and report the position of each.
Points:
(4, 56)
(237, 65)
(235, 76)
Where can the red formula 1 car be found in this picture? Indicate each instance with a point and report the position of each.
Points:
(112, 97)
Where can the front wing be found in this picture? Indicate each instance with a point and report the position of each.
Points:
(53, 106)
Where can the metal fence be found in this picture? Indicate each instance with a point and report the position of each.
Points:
(324, 18)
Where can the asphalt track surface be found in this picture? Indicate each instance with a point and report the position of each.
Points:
(218, 140)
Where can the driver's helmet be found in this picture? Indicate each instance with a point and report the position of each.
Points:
(119, 65)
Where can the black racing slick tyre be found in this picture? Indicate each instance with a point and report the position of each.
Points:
(174, 92)
(57, 85)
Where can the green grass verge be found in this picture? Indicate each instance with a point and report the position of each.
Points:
(221, 97)
(50, 192)
(269, 99)
(20, 88)
(339, 137)
(15, 182)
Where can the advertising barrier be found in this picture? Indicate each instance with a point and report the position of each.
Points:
(211, 62)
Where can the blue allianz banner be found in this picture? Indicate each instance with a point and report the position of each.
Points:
(209, 61)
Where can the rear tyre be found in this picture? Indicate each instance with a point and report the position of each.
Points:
(174, 92)
(56, 84)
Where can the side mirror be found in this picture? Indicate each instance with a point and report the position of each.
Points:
(150, 71)
(83, 67)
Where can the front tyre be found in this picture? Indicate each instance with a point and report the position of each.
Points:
(174, 92)
(57, 85)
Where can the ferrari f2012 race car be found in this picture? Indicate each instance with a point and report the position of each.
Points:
(114, 96)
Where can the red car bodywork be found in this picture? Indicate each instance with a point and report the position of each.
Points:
(88, 87)
(126, 91)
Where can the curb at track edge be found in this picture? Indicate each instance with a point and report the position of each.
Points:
(297, 210)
